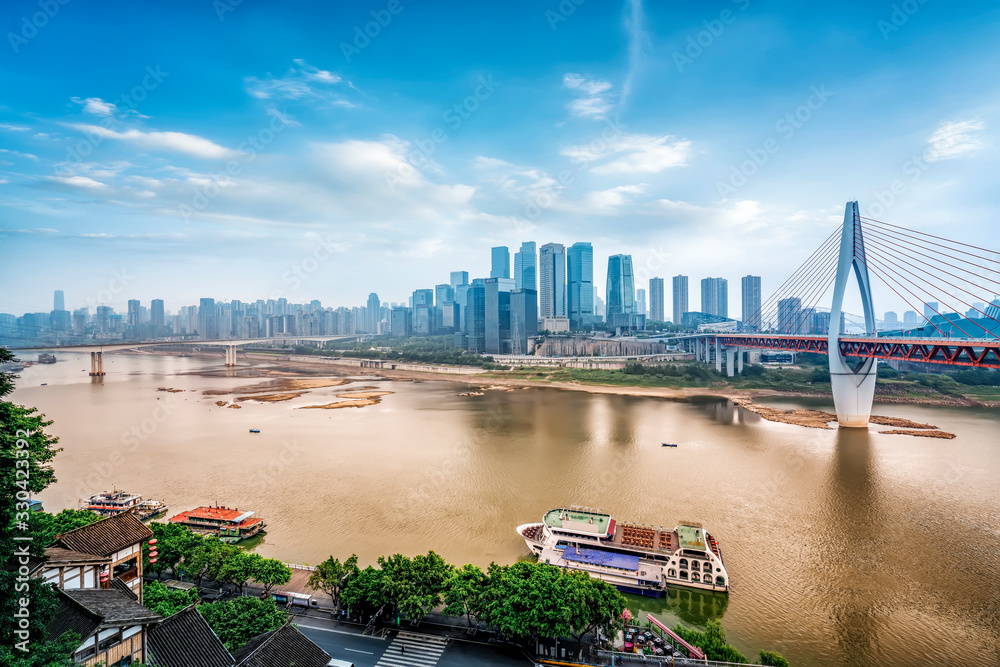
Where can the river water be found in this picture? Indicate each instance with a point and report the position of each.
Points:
(844, 547)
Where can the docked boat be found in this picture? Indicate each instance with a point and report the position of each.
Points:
(255, 430)
(669, 444)
(110, 503)
(632, 557)
(228, 523)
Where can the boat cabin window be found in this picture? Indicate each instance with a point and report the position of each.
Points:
(721, 581)
(695, 577)
(684, 562)
(684, 575)
(671, 572)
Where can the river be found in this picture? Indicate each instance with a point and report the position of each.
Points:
(844, 546)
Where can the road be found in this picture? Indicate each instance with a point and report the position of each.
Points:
(405, 649)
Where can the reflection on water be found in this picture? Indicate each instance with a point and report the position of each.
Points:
(843, 546)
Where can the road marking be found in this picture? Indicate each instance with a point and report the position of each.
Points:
(339, 632)
(413, 650)
(354, 650)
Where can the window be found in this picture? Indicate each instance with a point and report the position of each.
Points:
(684, 574)
(694, 565)
(695, 577)
(721, 581)
(671, 572)
(110, 641)
(684, 562)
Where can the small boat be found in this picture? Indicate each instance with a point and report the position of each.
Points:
(669, 444)
(255, 430)
(45, 384)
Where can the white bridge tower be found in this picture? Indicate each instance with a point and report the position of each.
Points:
(853, 388)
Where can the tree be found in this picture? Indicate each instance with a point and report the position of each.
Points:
(462, 591)
(772, 659)
(47, 525)
(26, 454)
(167, 601)
(239, 620)
(593, 604)
(206, 558)
(173, 543)
(525, 600)
(268, 572)
(331, 577)
(414, 585)
(712, 642)
(232, 565)
(365, 591)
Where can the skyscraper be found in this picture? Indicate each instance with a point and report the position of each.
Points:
(58, 301)
(715, 296)
(134, 318)
(373, 313)
(640, 301)
(751, 303)
(500, 265)
(910, 317)
(156, 317)
(656, 300)
(475, 315)
(580, 294)
(497, 334)
(523, 319)
(552, 280)
(526, 267)
(621, 286)
(790, 315)
(459, 278)
(931, 308)
(208, 323)
(680, 305)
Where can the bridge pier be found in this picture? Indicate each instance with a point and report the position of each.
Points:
(96, 364)
(730, 361)
(230, 355)
(718, 356)
(739, 360)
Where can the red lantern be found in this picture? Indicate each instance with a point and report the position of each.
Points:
(152, 542)
(152, 560)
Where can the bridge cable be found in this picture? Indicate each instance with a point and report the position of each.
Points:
(911, 245)
(895, 227)
(941, 238)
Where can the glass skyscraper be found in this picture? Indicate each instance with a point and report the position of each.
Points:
(500, 262)
(580, 295)
(526, 267)
(751, 303)
(680, 305)
(552, 280)
(621, 286)
(656, 300)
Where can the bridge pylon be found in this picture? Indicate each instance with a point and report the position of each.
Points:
(97, 364)
(853, 388)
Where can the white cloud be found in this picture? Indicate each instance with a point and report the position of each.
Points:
(30, 156)
(593, 98)
(171, 141)
(78, 181)
(634, 154)
(301, 81)
(955, 138)
(96, 106)
(3, 180)
(14, 128)
(637, 41)
(607, 201)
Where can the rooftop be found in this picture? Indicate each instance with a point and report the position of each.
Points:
(281, 648)
(579, 520)
(85, 610)
(105, 537)
(691, 537)
(186, 640)
(229, 515)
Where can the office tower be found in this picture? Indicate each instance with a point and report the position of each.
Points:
(401, 323)
(580, 289)
(621, 286)
(680, 304)
(459, 278)
(208, 328)
(931, 308)
(443, 294)
(819, 322)
(599, 311)
(656, 301)
(751, 303)
(640, 301)
(977, 311)
(475, 315)
(373, 313)
(526, 267)
(993, 310)
(497, 311)
(891, 317)
(58, 301)
(715, 296)
(134, 318)
(500, 265)
(789, 315)
(910, 317)
(523, 319)
(156, 316)
(552, 280)
(423, 297)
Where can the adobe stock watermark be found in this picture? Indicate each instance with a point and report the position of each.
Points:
(697, 43)
(786, 127)
(364, 34)
(913, 169)
(126, 102)
(248, 148)
(22, 540)
(562, 12)
(454, 117)
(30, 25)
(899, 16)
(118, 283)
(299, 272)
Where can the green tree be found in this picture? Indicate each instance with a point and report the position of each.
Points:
(462, 591)
(331, 577)
(525, 600)
(239, 620)
(712, 642)
(268, 572)
(772, 659)
(47, 526)
(26, 454)
(365, 591)
(593, 604)
(173, 543)
(232, 565)
(414, 585)
(167, 601)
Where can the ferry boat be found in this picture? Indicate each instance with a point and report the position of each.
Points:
(632, 557)
(229, 523)
(109, 503)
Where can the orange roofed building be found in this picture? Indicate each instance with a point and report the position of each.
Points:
(230, 524)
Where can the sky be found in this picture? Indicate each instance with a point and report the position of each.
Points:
(243, 150)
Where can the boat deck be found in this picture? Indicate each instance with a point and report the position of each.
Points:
(645, 537)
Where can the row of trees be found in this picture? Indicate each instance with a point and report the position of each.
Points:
(523, 600)
(186, 552)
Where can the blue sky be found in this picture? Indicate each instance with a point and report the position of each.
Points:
(243, 151)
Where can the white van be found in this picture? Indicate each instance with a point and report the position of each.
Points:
(339, 663)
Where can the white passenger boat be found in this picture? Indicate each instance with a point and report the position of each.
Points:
(632, 557)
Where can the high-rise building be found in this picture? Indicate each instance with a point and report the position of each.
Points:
(891, 317)
(751, 303)
(459, 278)
(373, 313)
(156, 315)
(599, 311)
(656, 301)
(715, 296)
(134, 313)
(58, 300)
(475, 315)
(552, 280)
(208, 323)
(931, 308)
(500, 264)
(790, 315)
(820, 322)
(526, 267)
(910, 317)
(523, 319)
(640, 301)
(680, 301)
(621, 286)
(977, 311)
(401, 322)
(497, 335)
(580, 288)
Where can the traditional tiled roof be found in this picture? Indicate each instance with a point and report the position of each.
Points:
(106, 536)
(120, 585)
(186, 640)
(72, 616)
(59, 556)
(281, 648)
(86, 610)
